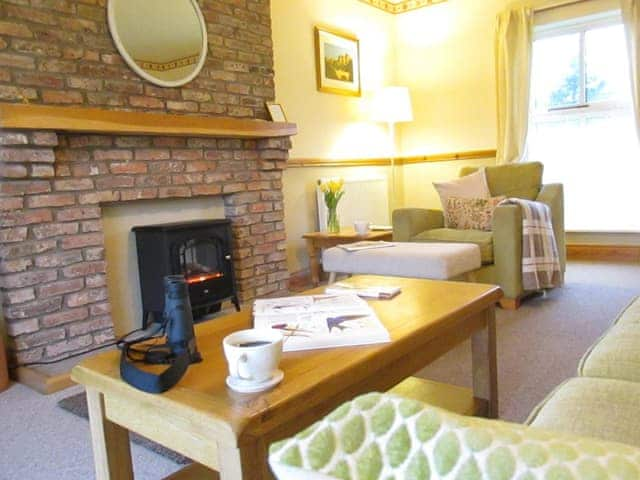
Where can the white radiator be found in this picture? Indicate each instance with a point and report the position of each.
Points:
(365, 198)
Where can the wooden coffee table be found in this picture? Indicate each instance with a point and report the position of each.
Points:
(230, 432)
(316, 241)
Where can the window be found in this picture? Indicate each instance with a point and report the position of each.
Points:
(582, 125)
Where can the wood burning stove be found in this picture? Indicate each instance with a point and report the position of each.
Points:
(200, 250)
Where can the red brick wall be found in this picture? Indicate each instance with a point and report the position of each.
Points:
(52, 263)
(52, 186)
(61, 52)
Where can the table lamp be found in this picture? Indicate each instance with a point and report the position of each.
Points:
(392, 105)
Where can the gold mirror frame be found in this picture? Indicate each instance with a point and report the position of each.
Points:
(113, 28)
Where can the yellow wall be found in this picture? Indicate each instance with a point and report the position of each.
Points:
(330, 126)
(445, 56)
(443, 53)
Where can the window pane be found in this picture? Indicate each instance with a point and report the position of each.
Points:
(556, 67)
(595, 155)
(606, 64)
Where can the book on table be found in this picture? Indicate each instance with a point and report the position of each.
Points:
(320, 321)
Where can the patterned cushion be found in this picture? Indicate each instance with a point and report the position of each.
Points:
(471, 213)
(384, 436)
(471, 186)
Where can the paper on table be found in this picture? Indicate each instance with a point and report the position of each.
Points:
(381, 292)
(307, 322)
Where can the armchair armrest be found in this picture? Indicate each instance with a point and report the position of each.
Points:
(408, 222)
(553, 196)
(507, 249)
(388, 436)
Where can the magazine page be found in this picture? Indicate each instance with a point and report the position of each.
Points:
(309, 304)
(320, 330)
(320, 321)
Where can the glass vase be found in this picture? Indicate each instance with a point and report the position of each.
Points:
(333, 223)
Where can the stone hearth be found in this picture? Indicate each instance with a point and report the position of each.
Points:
(52, 258)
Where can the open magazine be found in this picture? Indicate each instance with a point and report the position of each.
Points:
(320, 321)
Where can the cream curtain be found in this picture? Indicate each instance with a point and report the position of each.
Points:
(513, 49)
(631, 17)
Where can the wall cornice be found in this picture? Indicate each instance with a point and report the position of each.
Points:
(402, 6)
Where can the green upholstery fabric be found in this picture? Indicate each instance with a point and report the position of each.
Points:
(521, 180)
(408, 222)
(593, 407)
(450, 235)
(617, 353)
(630, 315)
(383, 436)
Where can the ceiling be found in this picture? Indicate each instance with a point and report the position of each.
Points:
(400, 6)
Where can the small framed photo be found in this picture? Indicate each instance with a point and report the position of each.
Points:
(337, 62)
(276, 112)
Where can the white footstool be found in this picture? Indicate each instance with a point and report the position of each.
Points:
(438, 261)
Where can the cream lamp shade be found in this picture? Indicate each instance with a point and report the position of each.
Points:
(392, 105)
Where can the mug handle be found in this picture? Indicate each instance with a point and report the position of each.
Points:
(242, 367)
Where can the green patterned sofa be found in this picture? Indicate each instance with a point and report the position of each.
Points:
(587, 428)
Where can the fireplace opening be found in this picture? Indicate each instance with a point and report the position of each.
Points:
(200, 250)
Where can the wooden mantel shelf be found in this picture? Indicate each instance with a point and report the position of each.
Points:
(95, 120)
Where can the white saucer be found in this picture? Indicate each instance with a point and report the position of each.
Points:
(243, 386)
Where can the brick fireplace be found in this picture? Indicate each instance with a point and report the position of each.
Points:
(53, 183)
(52, 259)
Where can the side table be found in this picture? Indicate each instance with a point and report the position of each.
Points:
(316, 241)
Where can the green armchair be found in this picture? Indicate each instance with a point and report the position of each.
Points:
(501, 248)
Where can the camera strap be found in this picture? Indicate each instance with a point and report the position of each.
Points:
(150, 382)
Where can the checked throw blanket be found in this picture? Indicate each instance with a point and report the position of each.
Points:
(540, 259)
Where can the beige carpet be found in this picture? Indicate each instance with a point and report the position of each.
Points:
(540, 344)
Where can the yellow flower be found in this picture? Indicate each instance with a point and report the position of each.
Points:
(332, 186)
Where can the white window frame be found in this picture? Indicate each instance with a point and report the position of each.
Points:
(580, 26)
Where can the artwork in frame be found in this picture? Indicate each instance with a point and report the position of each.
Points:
(337, 62)
(276, 112)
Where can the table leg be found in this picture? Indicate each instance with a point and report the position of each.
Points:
(314, 262)
(485, 368)
(111, 448)
(248, 462)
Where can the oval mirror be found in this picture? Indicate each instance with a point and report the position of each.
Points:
(163, 41)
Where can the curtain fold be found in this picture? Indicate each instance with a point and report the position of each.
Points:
(631, 18)
(513, 52)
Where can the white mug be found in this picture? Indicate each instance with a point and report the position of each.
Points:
(253, 355)
(361, 227)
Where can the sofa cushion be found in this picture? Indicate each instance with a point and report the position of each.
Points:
(450, 235)
(615, 355)
(630, 315)
(594, 407)
(520, 180)
(471, 213)
(471, 186)
(383, 436)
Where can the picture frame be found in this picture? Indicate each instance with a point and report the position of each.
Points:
(337, 62)
(276, 112)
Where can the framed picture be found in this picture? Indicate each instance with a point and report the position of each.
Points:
(337, 62)
(276, 112)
